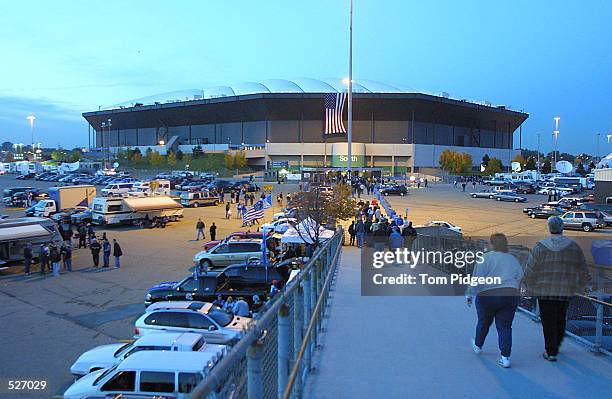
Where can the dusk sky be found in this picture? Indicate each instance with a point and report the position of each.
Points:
(62, 58)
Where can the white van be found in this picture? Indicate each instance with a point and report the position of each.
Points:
(158, 186)
(106, 356)
(146, 374)
(117, 189)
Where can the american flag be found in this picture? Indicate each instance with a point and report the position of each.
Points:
(334, 108)
(254, 212)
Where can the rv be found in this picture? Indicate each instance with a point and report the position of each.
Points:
(529, 176)
(61, 198)
(133, 210)
(575, 182)
(16, 233)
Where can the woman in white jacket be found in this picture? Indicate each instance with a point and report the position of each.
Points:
(496, 301)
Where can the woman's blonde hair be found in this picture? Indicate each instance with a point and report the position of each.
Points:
(499, 242)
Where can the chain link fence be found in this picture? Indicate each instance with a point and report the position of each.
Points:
(273, 359)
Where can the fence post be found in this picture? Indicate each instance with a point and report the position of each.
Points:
(599, 326)
(307, 314)
(314, 297)
(298, 325)
(255, 371)
(283, 349)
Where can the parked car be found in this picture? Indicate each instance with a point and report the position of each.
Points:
(85, 216)
(442, 223)
(587, 221)
(227, 253)
(484, 194)
(512, 197)
(105, 356)
(67, 214)
(247, 185)
(237, 235)
(545, 212)
(280, 225)
(116, 189)
(27, 176)
(146, 374)
(395, 189)
(606, 217)
(524, 189)
(217, 325)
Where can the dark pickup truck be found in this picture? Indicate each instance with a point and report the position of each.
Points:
(240, 280)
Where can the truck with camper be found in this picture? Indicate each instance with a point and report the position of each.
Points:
(16, 233)
(66, 197)
(134, 210)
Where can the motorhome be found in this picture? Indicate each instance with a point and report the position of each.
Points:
(16, 233)
(530, 176)
(573, 182)
(133, 210)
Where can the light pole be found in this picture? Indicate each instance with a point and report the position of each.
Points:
(538, 155)
(31, 119)
(597, 144)
(609, 137)
(555, 137)
(349, 135)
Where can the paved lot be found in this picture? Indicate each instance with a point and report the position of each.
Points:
(47, 322)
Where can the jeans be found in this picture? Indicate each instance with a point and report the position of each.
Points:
(352, 241)
(27, 262)
(198, 233)
(360, 237)
(68, 264)
(55, 269)
(498, 308)
(117, 262)
(96, 258)
(106, 259)
(553, 314)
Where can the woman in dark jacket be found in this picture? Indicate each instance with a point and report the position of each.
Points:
(117, 253)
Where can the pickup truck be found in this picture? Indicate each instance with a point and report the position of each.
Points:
(240, 280)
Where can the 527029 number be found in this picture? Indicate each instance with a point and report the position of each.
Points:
(27, 385)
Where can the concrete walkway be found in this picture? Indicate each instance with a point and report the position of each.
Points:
(419, 347)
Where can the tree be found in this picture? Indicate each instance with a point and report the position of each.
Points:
(229, 161)
(455, 162)
(580, 169)
(171, 159)
(519, 158)
(197, 151)
(58, 156)
(155, 159)
(76, 156)
(495, 166)
(9, 157)
(485, 160)
(592, 165)
(179, 155)
(531, 164)
(546, 167)
(7, 146)
(240, 161)
(187, 159)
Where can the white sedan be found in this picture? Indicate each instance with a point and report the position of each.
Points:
(280, 226)
(442, 223)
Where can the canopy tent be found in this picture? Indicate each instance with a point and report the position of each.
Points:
(27, 231)
(305, 233)
(143, 204)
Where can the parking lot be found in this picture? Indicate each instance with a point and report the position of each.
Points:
(50, 321)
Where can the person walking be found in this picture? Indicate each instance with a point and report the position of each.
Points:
(95, 247)
(496, 301)
(82, 236)
(27, 258)
(66, 252)
(351, 231)
(463, 186)
(54, 256)
(106, 253)
(556, 270)
(200, 229)
(227, 210)
(117, 253)
(360, 233)
(44, 258)
(213, 231)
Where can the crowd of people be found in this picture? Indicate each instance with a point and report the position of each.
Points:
(55, 258)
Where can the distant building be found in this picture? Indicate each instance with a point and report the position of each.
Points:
(603, 185)
(280, 123)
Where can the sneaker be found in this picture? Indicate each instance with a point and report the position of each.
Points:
(504, 361)
(477, 349)
(548, 357)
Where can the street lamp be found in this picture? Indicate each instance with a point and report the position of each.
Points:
(31, 119)
(597, 143)
(609, 137)
(555, 140)
(349, 135)
(162, 142)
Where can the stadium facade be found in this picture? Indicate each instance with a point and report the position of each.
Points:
(280, 123)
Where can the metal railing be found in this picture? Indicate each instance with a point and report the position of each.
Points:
(274, 357)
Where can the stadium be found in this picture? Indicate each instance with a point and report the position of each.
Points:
(281, 124)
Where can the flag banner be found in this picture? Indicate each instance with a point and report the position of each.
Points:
(254, 212)
(267, 202)
(334, 109)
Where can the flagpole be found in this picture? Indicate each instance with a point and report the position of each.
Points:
(349, 135)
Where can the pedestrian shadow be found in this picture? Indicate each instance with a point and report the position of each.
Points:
(96, 270)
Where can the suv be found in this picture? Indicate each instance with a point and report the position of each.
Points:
(395, 189)
(146, 374)
(227, 253)
(217, 325)
(587, 221)
(105, 356)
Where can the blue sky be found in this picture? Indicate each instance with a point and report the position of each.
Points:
(61, 58)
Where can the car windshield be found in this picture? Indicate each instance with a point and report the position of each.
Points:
(104, 374)
(220, 316)
(120, 351)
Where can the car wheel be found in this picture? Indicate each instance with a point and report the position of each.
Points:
(195, 204)
(490, 197)
(499, 199)
(402, 194)
(474, 196)
(587, 227)
(516, 200)
(533, 216)
(206, 263)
